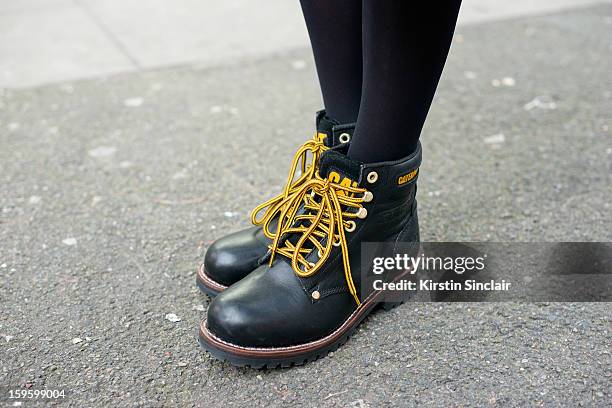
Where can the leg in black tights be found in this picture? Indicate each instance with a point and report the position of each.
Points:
(334, 27)
(405, 44)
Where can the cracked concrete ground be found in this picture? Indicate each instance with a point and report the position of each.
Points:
(112, 189)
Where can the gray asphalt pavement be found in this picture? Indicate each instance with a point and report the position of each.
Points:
(112, 189)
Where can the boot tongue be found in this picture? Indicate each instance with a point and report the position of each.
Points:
(338, 168)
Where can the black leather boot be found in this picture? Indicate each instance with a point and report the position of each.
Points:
(307, 299)
(234, 256)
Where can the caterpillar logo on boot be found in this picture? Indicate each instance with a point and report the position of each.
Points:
(335, 177)
(407, 177)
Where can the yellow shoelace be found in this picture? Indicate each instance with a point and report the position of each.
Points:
(328, 216)
(275, 205)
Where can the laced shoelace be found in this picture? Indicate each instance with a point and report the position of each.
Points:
(329, 210)
(275, 205)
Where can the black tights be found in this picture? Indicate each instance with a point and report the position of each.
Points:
(379, 63)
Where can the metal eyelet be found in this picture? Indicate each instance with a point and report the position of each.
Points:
(316, 295)
(351, 226)
(344, 138)
(372, 177)
(319, 253)
(367, 197)
(336, 243)
(362, 213)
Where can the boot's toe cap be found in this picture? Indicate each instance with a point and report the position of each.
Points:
(230, 320)
(232, 257)
(241, 314)
(221, 262)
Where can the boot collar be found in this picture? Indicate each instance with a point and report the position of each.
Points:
(382, 176)
(336, 133)
(391, 177)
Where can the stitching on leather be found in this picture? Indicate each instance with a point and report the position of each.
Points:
(289, 348)
(205, 278)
